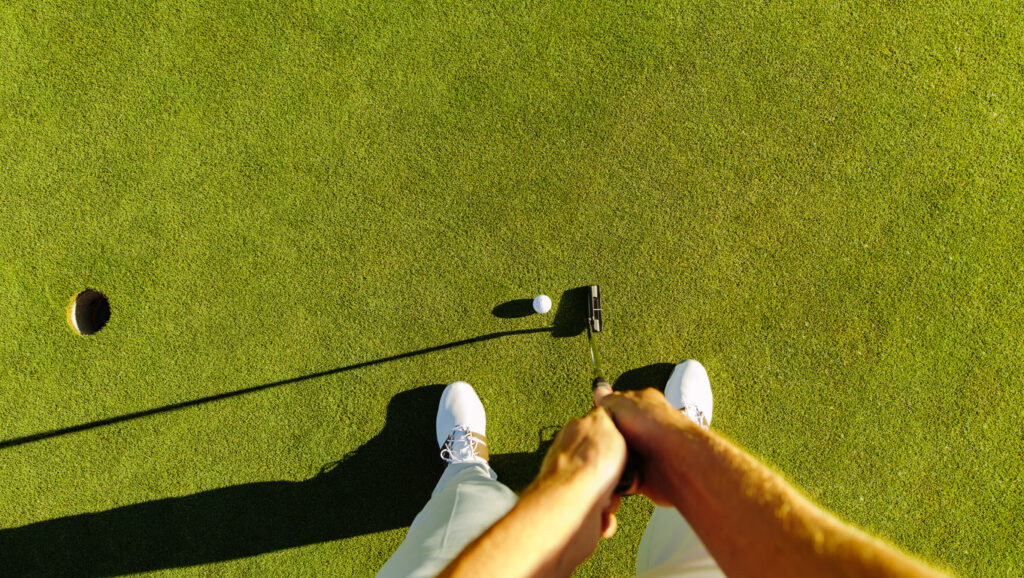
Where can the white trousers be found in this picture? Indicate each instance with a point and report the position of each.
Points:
(469, 499)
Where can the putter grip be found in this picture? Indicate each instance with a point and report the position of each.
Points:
(629, 474)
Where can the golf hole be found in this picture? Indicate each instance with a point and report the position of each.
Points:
(89, 312)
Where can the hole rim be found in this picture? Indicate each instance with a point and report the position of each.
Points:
(89, 312)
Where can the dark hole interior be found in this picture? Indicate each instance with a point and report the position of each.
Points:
(92, 311)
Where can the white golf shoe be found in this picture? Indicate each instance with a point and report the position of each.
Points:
(689, 389)
(461, 425)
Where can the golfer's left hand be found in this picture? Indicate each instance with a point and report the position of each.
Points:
(588, 455)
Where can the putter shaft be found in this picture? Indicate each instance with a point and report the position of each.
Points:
(594, 325)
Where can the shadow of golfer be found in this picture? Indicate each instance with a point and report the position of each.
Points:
(27, 439)
(654, 375)
(380, 486)
(569, 322)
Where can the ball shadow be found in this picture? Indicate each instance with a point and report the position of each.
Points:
(513, 309)
(570, 317)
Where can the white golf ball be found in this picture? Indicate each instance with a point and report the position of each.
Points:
(542, 304)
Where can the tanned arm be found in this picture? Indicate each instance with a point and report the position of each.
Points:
(750, 519)
(559, 519)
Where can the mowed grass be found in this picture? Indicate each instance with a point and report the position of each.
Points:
(822, 203)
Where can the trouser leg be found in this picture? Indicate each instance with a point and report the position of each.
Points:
(467, 500)
(670, 547)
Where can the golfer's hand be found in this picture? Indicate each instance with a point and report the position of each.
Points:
(588, 456)
(648, 423)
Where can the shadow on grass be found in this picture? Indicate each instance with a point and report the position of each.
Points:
(569, 322)
(571, 315)
(513, 309)
(517, 470)
(380, 486)
(230, 394)
(654, 375)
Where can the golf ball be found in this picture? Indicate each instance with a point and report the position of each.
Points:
(542, 304)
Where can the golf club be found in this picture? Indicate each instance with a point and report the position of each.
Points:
(595, 323)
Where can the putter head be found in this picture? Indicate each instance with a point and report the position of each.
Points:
(594, 308)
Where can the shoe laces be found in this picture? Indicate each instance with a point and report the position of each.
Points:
(460, 446)
(694, 413)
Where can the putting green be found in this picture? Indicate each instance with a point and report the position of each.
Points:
(291, 211)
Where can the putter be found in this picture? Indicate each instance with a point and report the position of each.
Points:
(595, 325)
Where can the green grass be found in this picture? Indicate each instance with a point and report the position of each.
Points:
(822, 203)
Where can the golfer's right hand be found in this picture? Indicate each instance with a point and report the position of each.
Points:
(652, 428)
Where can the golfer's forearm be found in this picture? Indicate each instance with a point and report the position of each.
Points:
(755, 524)
(529, 540)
